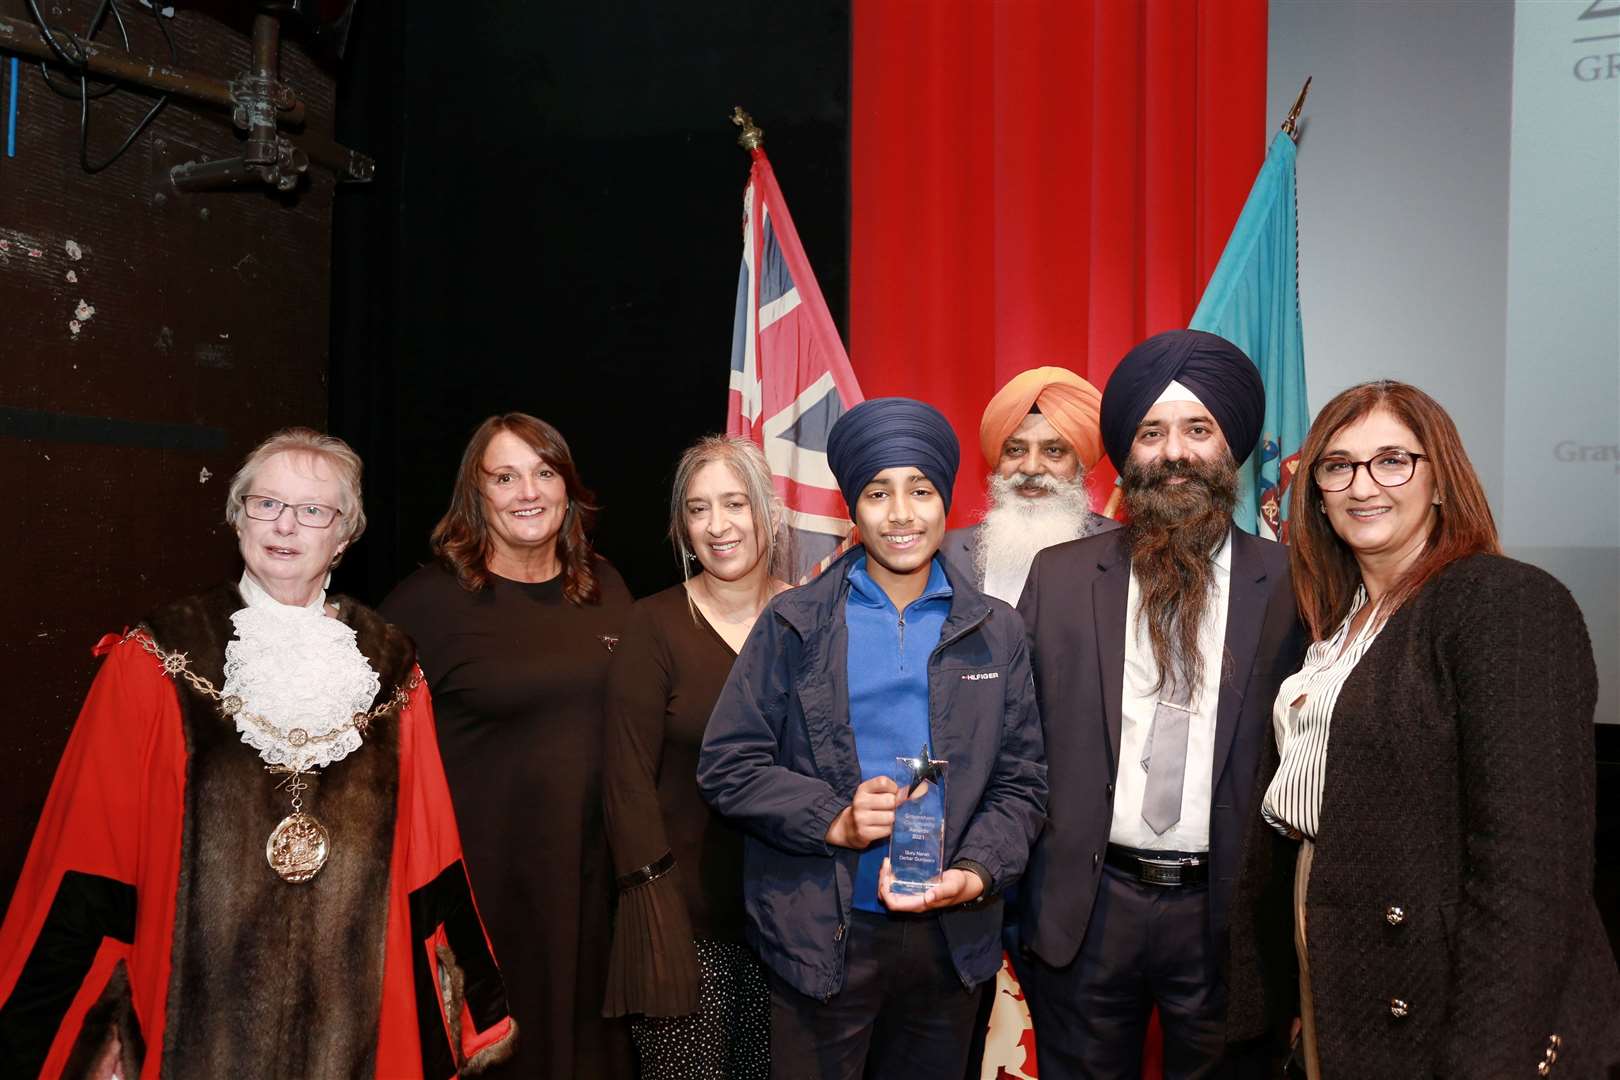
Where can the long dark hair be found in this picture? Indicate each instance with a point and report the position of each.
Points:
(461, 539)
(1324, 568)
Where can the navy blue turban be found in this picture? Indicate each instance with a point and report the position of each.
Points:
(1219, 372)
(885, 432)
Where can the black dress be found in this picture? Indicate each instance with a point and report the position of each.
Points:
(518, 676)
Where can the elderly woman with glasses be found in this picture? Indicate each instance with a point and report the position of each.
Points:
(1435, 793)
(247, 864)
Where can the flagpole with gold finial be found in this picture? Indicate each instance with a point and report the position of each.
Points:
(1290, 127)
(752, 137)
(1290, 124)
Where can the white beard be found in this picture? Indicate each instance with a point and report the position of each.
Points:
(1015, 529)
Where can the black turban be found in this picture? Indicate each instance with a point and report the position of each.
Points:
(885, 432)
(1219, 372)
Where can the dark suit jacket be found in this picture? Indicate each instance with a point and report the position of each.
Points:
(1453, 866)
(1074, 608)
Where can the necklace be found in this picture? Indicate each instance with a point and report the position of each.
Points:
(702, 593)
(299, 844)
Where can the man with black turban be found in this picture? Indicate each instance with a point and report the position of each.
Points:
(886, 656)
(1157, 651)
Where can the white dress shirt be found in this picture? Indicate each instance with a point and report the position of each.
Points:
(1138, 704)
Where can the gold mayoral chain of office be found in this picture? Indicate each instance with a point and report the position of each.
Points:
(299, 844)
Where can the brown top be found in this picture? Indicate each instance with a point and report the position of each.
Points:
(666, 674)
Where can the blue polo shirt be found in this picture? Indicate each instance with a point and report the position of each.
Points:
(888, 686)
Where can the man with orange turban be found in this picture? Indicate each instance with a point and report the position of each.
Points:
(1039, 435)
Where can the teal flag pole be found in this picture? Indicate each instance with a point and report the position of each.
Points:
(1252, 300)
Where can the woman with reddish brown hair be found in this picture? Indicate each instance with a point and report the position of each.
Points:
(515, 621)
(1436, 770)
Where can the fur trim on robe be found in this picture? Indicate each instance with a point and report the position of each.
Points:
(300, 965)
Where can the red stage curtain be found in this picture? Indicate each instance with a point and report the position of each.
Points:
(1039, 182)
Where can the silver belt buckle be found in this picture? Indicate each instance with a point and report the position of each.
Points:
(1159, 871)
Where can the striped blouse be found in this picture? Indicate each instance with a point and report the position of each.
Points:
(1301, 717)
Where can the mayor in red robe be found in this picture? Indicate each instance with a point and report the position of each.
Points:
(164, 925)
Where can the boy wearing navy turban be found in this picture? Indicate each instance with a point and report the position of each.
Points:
(1157, 651)
(888, 652)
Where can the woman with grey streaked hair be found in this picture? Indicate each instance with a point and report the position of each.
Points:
(679, 965)
(750, 469)
(251, 821)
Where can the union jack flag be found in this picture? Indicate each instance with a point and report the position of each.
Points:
(790, 375)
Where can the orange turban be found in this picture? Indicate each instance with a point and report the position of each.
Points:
(1069, 402)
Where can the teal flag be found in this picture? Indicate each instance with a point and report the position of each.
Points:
(1253, 301)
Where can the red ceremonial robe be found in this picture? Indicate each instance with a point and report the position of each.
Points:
(148, 932)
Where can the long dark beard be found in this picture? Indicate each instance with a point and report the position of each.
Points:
(1174, 531)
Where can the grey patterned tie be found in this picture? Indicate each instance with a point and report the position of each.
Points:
(1164, 759)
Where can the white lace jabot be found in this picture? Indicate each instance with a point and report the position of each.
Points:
(298, 670)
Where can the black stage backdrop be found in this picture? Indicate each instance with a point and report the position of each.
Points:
(555, 229)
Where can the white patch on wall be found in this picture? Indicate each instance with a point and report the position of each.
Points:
(1562, 430)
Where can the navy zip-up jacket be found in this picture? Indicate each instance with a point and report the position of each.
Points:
(779, 758)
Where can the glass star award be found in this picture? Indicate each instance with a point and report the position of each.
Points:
(917, 845)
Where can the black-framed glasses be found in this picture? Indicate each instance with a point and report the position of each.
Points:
(313, 515)
(1392, 468)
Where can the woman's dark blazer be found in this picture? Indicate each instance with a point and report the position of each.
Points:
(1451, 927)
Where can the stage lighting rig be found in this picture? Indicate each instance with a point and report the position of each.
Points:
(259, 103)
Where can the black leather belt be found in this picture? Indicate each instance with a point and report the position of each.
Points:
(1168, 868)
